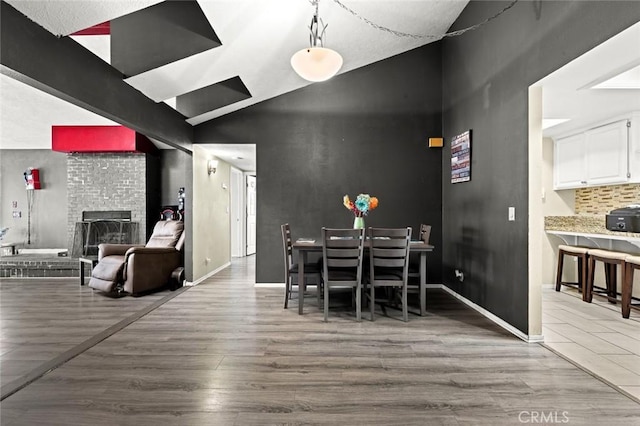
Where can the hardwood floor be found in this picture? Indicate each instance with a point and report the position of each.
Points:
(226, 353)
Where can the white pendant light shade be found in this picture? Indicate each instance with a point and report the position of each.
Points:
(316, 63)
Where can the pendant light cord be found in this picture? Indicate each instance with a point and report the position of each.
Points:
(419, 36)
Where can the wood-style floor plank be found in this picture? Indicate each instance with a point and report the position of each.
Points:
(226, 353)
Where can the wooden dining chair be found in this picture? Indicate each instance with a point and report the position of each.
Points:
(342, 255)
(311, 270)
(389, 264)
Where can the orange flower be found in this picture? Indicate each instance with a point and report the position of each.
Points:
(373, 203)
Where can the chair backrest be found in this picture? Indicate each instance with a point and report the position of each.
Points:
(343, 249)
(425, 233)
(389, 251)
(287, 247)
(167, 233)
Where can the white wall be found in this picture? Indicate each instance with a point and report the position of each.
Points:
(555, 203)
(211, 219)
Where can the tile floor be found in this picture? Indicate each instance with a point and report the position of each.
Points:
(594, 336)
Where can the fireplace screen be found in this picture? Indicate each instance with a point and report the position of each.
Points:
(110, 227)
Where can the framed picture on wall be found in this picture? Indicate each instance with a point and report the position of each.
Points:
(461, 158)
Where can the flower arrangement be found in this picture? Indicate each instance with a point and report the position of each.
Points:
(363, 204)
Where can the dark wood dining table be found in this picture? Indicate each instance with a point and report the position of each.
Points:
(305, 246)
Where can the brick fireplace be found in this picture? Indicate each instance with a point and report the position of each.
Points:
(111, 182)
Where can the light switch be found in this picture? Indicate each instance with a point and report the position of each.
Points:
(512, 214)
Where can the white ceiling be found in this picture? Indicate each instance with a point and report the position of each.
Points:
(567, 93)
(258, 39)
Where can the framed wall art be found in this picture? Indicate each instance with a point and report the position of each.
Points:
(461, 158)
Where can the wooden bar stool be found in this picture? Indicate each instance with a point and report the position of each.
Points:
(581, 254)
(611, 260)
(633, 263)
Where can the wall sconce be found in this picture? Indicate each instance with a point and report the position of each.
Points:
(212, 166)
(436, 142)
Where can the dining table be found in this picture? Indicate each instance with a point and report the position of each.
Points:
(304, 246)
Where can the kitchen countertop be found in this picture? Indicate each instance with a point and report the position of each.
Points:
(592, 228)
(583, 224)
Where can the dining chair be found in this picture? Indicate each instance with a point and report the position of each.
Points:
(311, 270)
(389, 264)
(342, 255)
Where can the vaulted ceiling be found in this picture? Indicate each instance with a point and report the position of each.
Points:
(208, 58)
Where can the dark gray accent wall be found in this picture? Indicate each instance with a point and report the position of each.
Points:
(362, 131)
(486, 75)
(152, 178)
(158, 35)
(177, 172)
(174, 174)
(212, 97)
(49, 213)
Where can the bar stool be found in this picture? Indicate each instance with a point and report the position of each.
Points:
(581, 254)
(611, 260)
(633, 263)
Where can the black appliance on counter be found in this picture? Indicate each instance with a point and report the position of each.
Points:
(626, 219)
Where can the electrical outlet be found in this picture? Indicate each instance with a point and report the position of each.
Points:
(459, 275)
(512, 214)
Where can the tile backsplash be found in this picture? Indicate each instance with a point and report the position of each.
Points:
(602, 199)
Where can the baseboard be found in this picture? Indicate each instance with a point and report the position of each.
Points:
(209, 275)
(269, 285)
(499, 321)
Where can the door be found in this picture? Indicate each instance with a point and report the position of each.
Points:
(238, 245)
(251, 215)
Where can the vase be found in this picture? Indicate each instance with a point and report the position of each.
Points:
(358, 223)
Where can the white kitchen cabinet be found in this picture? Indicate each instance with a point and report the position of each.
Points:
(598, 156)
(607, 154)
(569, 162)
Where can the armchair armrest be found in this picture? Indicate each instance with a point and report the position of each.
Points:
(113, 249)
(149, 250)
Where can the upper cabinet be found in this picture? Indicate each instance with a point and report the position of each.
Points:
(602, 155)
(569, 165)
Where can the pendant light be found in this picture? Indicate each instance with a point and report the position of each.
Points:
(316, 63)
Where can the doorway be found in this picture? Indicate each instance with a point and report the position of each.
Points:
(563, 103)
(238, 218)
(251, 214)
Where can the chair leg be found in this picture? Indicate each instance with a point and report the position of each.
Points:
(326, 302)
(559, 273)
(587, 295)
(318, 288)
(582, 268)
(405, 312)
(358, 302)
(627, 287)
(372, 300)
(287, 291)
(583, 265)
(611, 281)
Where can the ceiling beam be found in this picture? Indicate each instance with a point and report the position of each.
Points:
(63, 68)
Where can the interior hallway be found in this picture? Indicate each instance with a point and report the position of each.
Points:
(226, 353)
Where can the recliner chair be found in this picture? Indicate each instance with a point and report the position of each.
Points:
(136, 269)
